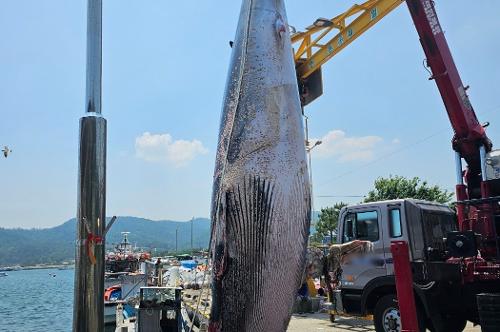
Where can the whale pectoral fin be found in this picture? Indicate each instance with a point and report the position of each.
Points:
(218, 269)
(220, 260)
(219, 263)
(220, 239)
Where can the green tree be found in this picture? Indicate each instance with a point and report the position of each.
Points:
(397, 187)
(328, 221)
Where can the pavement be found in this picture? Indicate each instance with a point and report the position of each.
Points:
(321, 322)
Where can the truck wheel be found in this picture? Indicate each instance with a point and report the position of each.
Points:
(387, 318)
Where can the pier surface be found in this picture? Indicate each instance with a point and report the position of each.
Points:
(320, 322)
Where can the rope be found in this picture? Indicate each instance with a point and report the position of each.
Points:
(196, 311)
(92, 240)
(206, 298)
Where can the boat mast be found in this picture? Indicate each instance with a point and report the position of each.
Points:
(88, 309)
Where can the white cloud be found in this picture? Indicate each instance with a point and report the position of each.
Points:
(396, 141)
(163, 148)
(337, 144)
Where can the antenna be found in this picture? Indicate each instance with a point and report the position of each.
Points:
(125, 236)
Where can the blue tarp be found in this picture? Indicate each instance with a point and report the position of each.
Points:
(189, 264)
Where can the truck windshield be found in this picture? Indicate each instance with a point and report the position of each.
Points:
(361, 226)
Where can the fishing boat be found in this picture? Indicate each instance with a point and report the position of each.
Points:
(127, 270)
(10, 268)
(124, 258)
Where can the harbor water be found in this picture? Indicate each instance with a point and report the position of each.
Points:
(36, 300)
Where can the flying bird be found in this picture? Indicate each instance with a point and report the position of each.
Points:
(6, 151)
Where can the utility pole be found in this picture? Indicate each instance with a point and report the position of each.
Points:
(88, 306)
(192, 220)
(308, 150)
(176, 238)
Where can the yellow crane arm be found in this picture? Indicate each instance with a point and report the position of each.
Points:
(316, 45)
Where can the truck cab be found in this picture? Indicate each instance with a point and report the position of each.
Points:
(367, 283)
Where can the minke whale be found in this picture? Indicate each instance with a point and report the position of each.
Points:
(261, 203)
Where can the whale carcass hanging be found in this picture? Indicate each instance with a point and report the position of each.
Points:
(261, 193)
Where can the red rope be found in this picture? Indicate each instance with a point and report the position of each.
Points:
(92, 239)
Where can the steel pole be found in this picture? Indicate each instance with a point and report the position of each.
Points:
(176, 238)
(308, 151)
(461, 192)
(88, 308)
(192, 220)
(94, 57)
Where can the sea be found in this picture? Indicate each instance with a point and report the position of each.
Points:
(36, 300)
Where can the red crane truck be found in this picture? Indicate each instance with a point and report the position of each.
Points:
(454, 255)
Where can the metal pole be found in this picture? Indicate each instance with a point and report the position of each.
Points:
(192, 220)
(94, 56)
(308, 150)
(461, 192)
(482, 156)
(458, 163)
(88, 308)
(176, 238)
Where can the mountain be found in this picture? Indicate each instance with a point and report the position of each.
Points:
(56, 244)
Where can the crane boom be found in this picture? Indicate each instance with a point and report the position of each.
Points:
(325, 38)
(477, 209)
(317, 45)
(469, 133)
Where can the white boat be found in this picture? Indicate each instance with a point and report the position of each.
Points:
(126, 273)
(3, 274)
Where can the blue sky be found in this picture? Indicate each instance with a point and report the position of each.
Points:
(164, 71)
